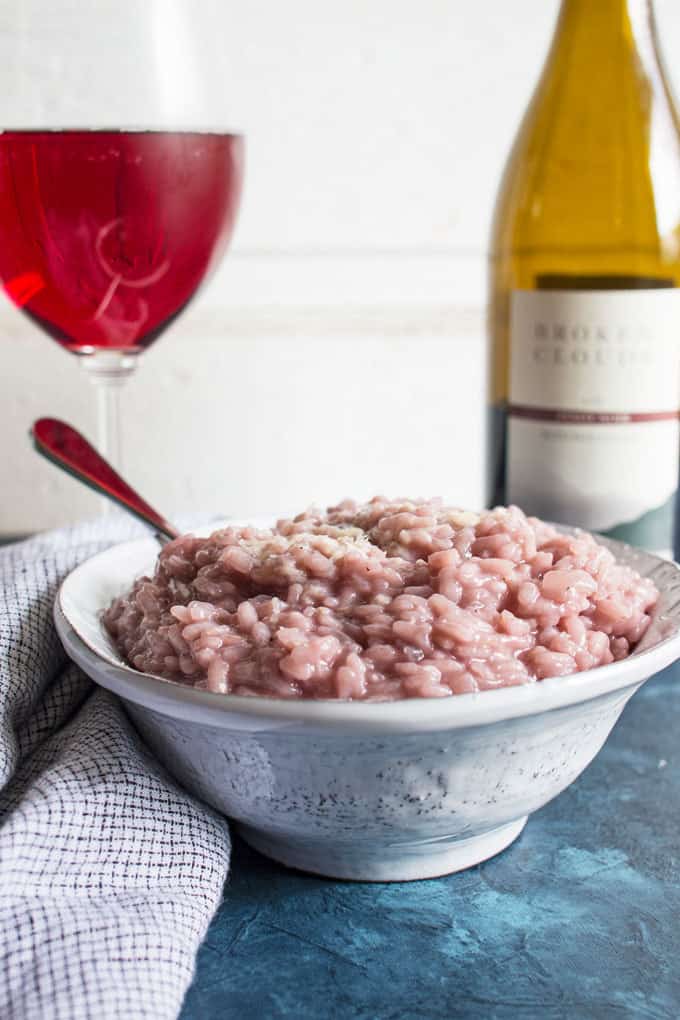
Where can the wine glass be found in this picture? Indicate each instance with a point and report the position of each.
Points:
(115, 200)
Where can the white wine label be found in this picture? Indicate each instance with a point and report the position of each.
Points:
(593, 423)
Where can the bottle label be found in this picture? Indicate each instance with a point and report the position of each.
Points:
(593, 423)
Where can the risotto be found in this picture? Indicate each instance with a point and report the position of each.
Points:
(381, 601)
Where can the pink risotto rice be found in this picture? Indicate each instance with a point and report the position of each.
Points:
(380, 601)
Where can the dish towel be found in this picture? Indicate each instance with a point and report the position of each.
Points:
(109, 872)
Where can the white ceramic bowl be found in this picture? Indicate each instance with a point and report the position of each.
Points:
(378, 791)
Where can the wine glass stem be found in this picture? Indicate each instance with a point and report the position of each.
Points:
(108, 420)
(108, 371)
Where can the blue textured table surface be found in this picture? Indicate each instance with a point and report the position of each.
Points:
(580, 918)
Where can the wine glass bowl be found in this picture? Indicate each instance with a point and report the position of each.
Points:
(116, 201)
(106, 235)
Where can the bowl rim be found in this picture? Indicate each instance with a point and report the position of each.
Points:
(458, 711)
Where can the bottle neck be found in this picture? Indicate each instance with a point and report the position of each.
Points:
(601, 21)
(613, 12)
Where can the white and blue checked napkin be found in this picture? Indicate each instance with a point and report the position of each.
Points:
(109, 872)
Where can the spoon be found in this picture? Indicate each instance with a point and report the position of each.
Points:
(64, 446)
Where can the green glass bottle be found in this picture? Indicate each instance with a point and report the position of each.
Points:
(585, 268)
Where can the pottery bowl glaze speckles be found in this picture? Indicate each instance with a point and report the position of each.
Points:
(385, 791)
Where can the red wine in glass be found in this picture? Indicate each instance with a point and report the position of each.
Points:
(105, 236)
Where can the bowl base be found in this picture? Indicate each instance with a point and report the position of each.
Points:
(390, 864)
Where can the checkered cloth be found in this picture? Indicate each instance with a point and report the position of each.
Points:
(109, 872)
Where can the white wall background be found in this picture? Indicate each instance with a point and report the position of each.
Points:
(339, 349)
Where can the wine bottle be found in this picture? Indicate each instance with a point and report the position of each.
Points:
(584, 310)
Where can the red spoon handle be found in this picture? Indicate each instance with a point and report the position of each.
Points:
(68, 449)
